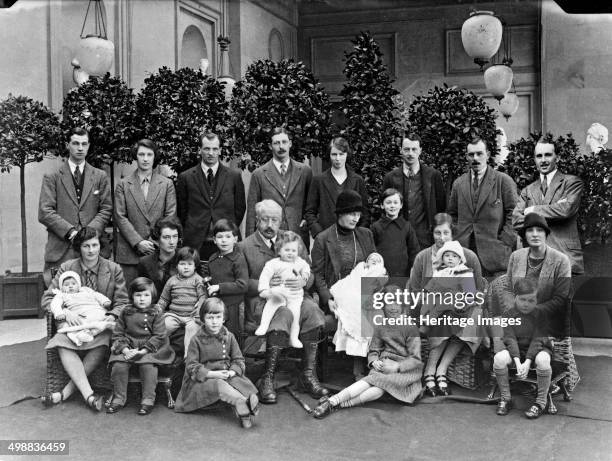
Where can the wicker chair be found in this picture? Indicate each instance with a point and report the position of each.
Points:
(565, 373)
(99, 379)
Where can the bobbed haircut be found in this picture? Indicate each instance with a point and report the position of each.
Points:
(142, 284)
(212, 306)
(188, 254)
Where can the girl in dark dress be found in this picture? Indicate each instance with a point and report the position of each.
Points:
(140, 339)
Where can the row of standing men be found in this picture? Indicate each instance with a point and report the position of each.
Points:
(483, 202)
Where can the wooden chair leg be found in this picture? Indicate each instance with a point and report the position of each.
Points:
(167, 386)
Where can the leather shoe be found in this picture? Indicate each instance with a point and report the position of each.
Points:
(113, 408)
(323, 409)
(535, 411)
(431, 391)
(145, 409)
(504, 407)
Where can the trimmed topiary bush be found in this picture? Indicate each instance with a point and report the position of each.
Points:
(371, 114)
(174, 107)
(107, 108)
(274, 94)
(28, 131)
(447, 119)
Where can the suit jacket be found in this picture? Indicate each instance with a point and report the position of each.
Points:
(110, 283)
(60, 211)
(197, 209)
(265, 184)
(490, 221)
(322, 196)
(554, 285)
(135, 216)
(560, 208)
(257, 254)
(325, 260)
(434, 192)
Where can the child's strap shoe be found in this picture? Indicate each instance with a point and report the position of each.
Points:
(504, 407)
(534, 412)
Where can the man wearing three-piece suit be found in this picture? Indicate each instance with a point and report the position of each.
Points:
(74, 196)
(141, 199)
(206, 193)
(556, 197)
(283, 180)
(481, 202)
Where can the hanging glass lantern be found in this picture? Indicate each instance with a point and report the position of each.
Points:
(225, 78)
(95, 53)
(481, 35)
(498, 80)
(508, 105)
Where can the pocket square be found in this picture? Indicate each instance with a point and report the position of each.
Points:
(96, 192)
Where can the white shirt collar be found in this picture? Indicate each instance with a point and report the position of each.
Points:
(141, 176)
(73, 166)
(340, 177)
(214, 168)
(408, 171)
(549, 177)
(278, 164)
(267, 241)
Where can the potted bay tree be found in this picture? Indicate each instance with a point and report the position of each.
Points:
(28, 131)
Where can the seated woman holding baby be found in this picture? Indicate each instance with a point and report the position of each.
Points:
(85, 297)
(445, 345)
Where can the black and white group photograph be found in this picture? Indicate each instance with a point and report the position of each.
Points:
(305, 229)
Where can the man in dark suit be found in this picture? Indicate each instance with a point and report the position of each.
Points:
(422, 188)
(283, 180)
(556, 197)
(206, 193)
(141, 199)
(481, 202)
(258, 248)
(74, 196)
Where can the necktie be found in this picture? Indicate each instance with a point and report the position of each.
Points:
(90, 280)
(77, 175)
(544, 185)
(283, 170)
(210, 177)
(145, 187)
(272, 246)
(475, 182)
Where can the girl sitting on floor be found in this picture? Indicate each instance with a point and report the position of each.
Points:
(214, 369)
(395, 365)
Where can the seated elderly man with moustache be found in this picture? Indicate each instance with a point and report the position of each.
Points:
(258, 248)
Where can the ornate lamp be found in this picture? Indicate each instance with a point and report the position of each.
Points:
(508, 105)
(95, 53)
(225, 78)
(481, 35)
(498, 77)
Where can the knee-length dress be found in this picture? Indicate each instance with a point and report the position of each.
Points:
(142, 329)
(402, 344)
(206, 353)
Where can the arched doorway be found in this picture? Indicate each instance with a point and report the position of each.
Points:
(193, 48)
